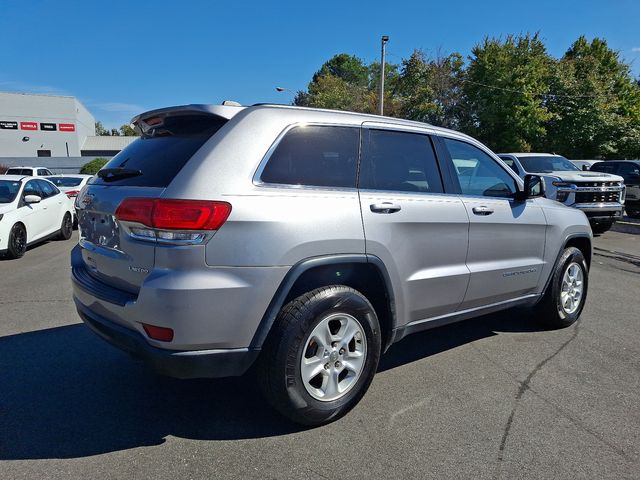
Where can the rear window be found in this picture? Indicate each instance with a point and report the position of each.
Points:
(19, 171)
(321, 156)
(160, 154)
(65, 181)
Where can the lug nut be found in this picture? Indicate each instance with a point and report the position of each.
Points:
(338, 364)
(326, 366)
(342, 351)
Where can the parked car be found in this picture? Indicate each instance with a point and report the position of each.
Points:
(599, 195)
(70, 185)
(29, 171)
(630, 171)
(585, 164)
(309, 241)
(31, 210)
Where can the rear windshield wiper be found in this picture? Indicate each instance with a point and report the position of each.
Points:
(111, 174)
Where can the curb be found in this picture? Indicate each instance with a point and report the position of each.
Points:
(624, 226)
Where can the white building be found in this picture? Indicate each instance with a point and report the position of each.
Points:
(50, 126)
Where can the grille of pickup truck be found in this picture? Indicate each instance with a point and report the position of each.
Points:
(597, 197)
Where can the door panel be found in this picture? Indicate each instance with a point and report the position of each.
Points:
(34, 214)
(506, 237)
(420, 233)
(424, 245)
(506, 249)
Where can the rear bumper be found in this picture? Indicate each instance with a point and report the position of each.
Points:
(178, 364)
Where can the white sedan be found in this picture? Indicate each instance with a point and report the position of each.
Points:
(31, 210)
(70, 185)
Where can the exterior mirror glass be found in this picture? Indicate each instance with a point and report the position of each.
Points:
(533, 187)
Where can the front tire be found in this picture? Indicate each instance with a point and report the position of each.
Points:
(17, 241)
(66, 228)
(566, 293)
(321, 355)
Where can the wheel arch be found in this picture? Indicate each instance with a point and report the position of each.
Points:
(581, 241)
(365, 273)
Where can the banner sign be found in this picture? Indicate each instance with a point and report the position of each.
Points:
(48, 126)
(28, 126)
(67, 127)
(9, 125)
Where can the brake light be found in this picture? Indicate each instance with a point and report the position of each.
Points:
(73, 193)
(167, 214)
(158, 333)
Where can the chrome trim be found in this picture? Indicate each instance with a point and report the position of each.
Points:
(471, 310)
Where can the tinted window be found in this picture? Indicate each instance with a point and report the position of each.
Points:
(399, 161)
(19, 171)
(477, 172)
(628, 169)
(65, 181)
(8, 190)
(603, 167)
(47, 189)
(322, 156)
(42, 172)
(162, 152)
(510, 163)
(32, 188)
(547, 164)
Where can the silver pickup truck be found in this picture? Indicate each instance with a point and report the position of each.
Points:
(599, 195)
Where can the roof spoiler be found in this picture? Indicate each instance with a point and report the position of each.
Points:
(147, 120)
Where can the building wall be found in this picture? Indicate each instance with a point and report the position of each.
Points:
(26, 110)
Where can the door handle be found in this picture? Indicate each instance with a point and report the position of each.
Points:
(482, 210)
(384, 207)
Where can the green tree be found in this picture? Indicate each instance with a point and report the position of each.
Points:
(504, 88)
(92, 167)
(128, 131)
(596, 104)
(101, 131)
(430, 90)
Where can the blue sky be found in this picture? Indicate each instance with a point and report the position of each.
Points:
(121, 57)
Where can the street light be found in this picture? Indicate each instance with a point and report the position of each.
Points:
(385, 39)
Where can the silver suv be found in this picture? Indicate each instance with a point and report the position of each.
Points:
(307, 242)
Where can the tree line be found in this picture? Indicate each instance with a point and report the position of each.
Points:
(510, 93)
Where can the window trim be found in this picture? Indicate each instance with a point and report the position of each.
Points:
(366, 126)
(257, 176)
(456, 188)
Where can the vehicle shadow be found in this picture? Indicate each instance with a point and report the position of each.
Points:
(65, 394)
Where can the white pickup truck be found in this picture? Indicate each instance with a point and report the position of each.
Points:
(599, 195)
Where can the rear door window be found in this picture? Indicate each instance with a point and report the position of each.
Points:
(159, 155)
(399, 161)
(319, 155)
(47, 189)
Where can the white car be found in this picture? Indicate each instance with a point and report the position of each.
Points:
(31, 210)
(70, 185)
(29, 171)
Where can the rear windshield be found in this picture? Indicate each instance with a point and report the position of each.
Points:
(159, 155)
(19, 171)
(8, 190)
(65, 181)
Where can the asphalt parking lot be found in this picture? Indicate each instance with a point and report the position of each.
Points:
(495, 397)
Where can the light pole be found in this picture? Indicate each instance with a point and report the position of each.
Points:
(384, 41)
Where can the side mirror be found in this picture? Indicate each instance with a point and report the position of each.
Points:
(32, 199)
(585, 167)
(533, 187)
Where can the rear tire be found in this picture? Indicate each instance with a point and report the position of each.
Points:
(566, 293)
(66, 228)
(17, 241)
(321, 355)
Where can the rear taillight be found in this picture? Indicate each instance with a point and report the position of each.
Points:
(72, 193)
(165, 216)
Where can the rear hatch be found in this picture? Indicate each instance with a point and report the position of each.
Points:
(169, 138)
